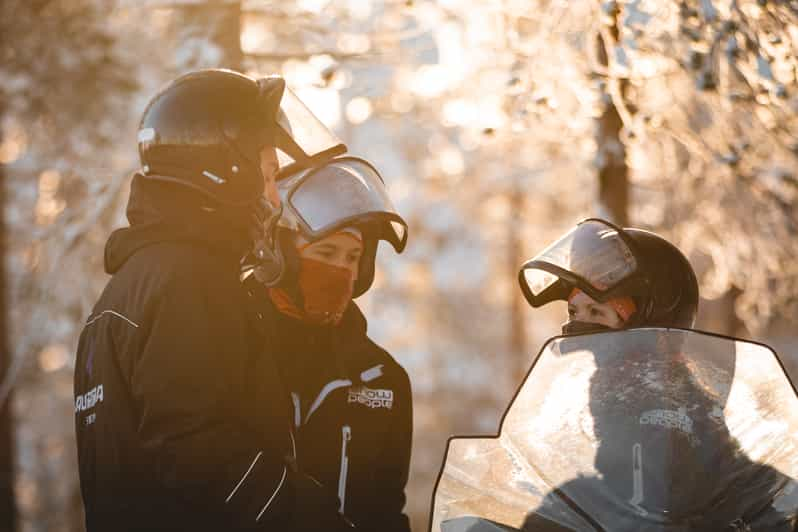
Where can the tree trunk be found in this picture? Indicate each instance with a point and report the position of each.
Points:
(613, 173)
(7, 506)
(719, 315)
(210, 35)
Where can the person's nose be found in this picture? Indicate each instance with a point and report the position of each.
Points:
(342, 262)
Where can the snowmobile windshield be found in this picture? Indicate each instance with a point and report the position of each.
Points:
(301, 138)
(344, 192)
(641, 429)
(593, 256)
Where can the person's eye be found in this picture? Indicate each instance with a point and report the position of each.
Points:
(324, 254)
(596, 312)
(571, 311)
(353, 258)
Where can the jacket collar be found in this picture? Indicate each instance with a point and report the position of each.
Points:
(342, 351)
(160, 212)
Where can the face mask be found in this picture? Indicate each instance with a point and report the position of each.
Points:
(582, 327)
(326, 290)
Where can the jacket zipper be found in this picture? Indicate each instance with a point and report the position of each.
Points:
(297, 410)
(346, 437)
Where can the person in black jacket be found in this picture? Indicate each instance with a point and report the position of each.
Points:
(352, 409)
(181, 415)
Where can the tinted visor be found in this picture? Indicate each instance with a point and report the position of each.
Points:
(301, 138)
(344, 192)
(593, 256)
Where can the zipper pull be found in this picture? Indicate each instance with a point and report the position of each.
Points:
(346, 437)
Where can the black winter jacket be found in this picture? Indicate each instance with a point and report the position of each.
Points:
(182, 417)
(352, 413)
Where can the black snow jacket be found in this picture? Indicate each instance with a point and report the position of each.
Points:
(352, 413)
(181, 416)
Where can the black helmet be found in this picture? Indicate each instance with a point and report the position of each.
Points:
(205, 130)
(345, 192)
(606, 261)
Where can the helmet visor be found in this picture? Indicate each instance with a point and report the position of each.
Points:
(593, 256)
(343, 192)
(301, 138)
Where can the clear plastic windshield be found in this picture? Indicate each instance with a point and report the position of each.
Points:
(315, 141)
(592, 251)
(342, 192)
(645, 429)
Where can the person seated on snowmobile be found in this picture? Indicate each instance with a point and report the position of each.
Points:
(623, 278)
(644, 426)
(613, 278)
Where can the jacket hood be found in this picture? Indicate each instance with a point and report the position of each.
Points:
(164, 212)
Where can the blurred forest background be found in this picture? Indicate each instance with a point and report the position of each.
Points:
(497, 125)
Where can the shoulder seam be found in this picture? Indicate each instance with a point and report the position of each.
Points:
(111, 313)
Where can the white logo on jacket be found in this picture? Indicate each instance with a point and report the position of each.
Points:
(372, 398)
(89, 399)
